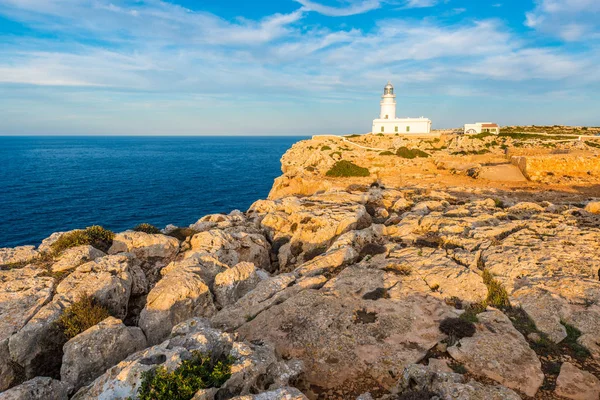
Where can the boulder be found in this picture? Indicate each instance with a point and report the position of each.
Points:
(286, 393)
(449, 386)
(593, 207)
(232, 248)
(573, 383)
(108, 280)
(179, 295)
(89, 354)
(37, 388)
(202, 264)
(145, 245)
(231, 284)
(499, 352)
(75, 256)
(21, 254)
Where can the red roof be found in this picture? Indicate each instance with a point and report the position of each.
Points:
(489, 125)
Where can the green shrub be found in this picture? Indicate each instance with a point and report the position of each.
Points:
(571, 340)
(147, 228)
(95, 236)
(199, 372)
(80, 316)
(345, 168)
(387, 153)
(497, 295)
(324, 148)
(352, 136)
(339, 153)
(405, 152)
(457, 328)
(592, 144)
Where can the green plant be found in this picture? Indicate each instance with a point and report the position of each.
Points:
(95, 236)
(345, 168)
(80, 316)
(147, 228)
(497, 295)
(592, 144)
(471, 312)
(405, 152)
(571, 340)
(199, 372)
(387, 153)
(339, 153)
(325, 148)
(457, 328)
(352, 136)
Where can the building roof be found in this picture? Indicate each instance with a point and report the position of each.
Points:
(489, 125)
(389, 85)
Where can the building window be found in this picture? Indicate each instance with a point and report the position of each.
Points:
(408, 129)
(387, 117)
(396, 129)
(382, 129)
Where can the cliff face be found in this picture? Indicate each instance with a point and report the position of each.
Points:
(417, 280)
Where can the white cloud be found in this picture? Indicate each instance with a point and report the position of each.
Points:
(570, 20)
(347, 8)
(421, 3)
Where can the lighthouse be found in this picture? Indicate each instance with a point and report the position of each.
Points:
(388, 102)
(387, 123)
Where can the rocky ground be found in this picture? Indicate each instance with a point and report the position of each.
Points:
(388, 286)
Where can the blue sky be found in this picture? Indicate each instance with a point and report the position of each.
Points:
(297, 67)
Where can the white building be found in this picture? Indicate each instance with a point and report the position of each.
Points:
(481, 127)
(388, 123)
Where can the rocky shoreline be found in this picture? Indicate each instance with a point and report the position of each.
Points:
(333, 288)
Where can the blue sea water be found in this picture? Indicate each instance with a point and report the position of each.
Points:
(50, 184)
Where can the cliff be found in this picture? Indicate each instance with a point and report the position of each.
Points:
(440, 272)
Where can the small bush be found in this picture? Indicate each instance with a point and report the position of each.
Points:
(352, 136)
(324, 148)
(371, 249)
(199, 372)
(345, 168)
(147, 228)
(497, 295)
(457, 328)
(80, 316)
(95, 236)
(405, 152)
(387, 153)
(571, 340)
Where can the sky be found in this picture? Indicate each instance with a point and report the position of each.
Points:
(293, 67)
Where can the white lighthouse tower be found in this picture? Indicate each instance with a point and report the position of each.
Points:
(388, 123)
(388, 102)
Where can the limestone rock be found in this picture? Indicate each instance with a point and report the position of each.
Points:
(499, 352)
(154, 250)
(108, 280)
(89, 354)
(233, 283)
(178, 296)
(593, 207)
(21, 254)
(75, 256)
(233, 248)
(450, 386)
(202, 264)
(37, 388)
(573, 383)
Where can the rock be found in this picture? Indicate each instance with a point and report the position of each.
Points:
(340, 336)
(250, 371)
(545, 309)
(499, 352)
(233, 248)
(37, 347)
(438, 365)
(178, 296)
(593, 207)
(154, 250)
(37, 388)
(202, 264)
(525, 207)
(287, 393)
(22, 294)
(108, 280)
(329, 261)
(450, 386)
(89, 354)
(21, 254)
(231, 284)
(75, 256)
(573, 383)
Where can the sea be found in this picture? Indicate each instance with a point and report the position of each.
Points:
(52, 184)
